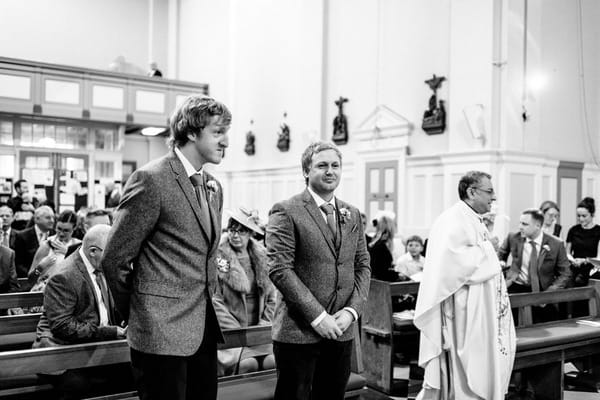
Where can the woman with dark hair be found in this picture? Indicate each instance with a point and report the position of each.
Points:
(52, 251)
(551, 212)
(583, 243)
(245, 296)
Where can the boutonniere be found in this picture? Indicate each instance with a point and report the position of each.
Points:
(345, 214)
(212, 186)
(546, 247)
(222, 265)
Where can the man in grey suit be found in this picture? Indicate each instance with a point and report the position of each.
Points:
(160, 257)
(319, 262)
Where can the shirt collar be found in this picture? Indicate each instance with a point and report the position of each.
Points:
(88, 265)
(467, 206)
(187, 165)
(538, 239)
(319, 200)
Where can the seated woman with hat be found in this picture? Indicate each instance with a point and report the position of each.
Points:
(245, 296)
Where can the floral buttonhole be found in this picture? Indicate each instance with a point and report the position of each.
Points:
(345, 213)
(222, 265)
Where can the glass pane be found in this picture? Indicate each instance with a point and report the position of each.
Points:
(374, 184)
(26, 134)
(388, 178)
(373, 208)
(105, 169)
(6, 133)
(7, 166)
(104, 139)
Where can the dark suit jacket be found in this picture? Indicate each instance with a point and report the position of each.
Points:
(8, 273)
(310, 272)
(71, 308)
(160, 259)
(26, 244)
(553, 266)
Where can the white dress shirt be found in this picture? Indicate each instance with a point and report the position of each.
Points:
(523, 278)
(101, 307)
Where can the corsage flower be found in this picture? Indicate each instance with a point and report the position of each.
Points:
(222, 265)
(345, 214)
(212, 186)
(546, 247)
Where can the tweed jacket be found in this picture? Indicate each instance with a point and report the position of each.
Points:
(310, 272)
(8, 273)
(553, 266)
(159, 259)
(71, 312)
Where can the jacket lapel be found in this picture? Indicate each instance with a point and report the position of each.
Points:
(542, 251)
(212, 199)
(188, 190)
(315, 213)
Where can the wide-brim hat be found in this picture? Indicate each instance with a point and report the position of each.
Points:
(247, 218)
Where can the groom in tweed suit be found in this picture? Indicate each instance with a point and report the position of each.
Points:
(319, 262)
(160, 258)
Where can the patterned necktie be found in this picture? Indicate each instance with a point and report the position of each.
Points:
(198, 183)
(104, 291)
(533, 271)
(4, 238)
(328, 210)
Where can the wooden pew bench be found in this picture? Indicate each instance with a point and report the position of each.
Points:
(256, 386)
(21, 299)
(381, 335)
(542, 349)
(18, 331)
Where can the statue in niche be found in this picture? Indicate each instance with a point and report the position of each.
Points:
(434, 119)
(340, 124)
(283, 136)
(250, 138)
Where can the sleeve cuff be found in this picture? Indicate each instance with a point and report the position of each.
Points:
(318, 320)
(352, 311)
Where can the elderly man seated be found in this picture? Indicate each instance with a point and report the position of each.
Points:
(78, 307)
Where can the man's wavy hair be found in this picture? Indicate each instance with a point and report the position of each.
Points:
(193, 115)
(470, 179)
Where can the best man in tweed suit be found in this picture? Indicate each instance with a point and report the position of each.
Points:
(160, 258)
(319, 262)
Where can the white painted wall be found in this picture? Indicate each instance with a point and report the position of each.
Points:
(82, 33)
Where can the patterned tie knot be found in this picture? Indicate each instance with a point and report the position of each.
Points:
(197, 180)
(327, 208)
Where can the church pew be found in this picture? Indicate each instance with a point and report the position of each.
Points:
(542, 348)
(21, 299)
(261, 385)
(24, 284)
(381, 333)
(18, 331)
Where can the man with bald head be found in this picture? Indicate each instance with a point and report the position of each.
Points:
(28, 240)
(78, 308)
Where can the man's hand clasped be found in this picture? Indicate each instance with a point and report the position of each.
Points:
(334, 326)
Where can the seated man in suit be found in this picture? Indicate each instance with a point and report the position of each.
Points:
(7, 233)
(28, 240)
(539, 261)
(78, 307)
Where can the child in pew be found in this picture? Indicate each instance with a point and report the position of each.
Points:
(410, 264)
(410, 267)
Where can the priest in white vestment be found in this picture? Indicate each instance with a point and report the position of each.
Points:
(468, 341)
